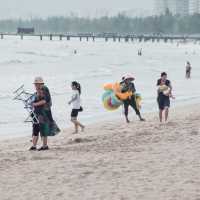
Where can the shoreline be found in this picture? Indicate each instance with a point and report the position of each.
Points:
(113, 160)
(108, 119)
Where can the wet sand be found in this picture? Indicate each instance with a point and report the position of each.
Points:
(109, 161)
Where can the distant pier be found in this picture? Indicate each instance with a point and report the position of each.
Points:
(106, 37)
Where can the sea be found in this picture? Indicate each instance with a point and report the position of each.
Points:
(92, 64)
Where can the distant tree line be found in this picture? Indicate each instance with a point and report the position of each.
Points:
(166, 24)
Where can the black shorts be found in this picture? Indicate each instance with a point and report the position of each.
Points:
(36, 129)
(163, 102)
(74, 113)
(42, 129)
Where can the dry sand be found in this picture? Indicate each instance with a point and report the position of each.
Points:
(110, 161)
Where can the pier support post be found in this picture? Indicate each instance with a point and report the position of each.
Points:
(22, 37)
(80, 39)
(87, 39)
(126, 39)
(93, 39)
(68, 37)
(119, 39)
(51, 37)
(60, 36)
(41, 37)
(106, 39)
(114, 39)
(2, 36)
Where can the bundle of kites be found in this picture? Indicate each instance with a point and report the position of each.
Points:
(113, 96)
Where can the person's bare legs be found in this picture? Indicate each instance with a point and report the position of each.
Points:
(80, 125)
(44, 144)
(44, 140)
(35, 140)
(160, 115)
(73, 120)
(166, 113)
(77, 124)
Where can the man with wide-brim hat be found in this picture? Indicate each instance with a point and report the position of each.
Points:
(42, 109)
(39, 80)
(127, 85)
(39, 104)
(39, 84)
(127, 77)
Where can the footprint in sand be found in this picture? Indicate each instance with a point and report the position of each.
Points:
(80, 140)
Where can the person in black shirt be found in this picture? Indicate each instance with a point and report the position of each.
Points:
(128, 85)
(164, 94)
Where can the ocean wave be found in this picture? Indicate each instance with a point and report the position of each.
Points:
(15, 62)
(4, 123)
(5, 97)
(39, 54)
(97, 73)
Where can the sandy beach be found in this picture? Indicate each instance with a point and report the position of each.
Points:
(110, 161)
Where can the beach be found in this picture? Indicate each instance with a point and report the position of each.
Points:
(111, 160)
(95, 64)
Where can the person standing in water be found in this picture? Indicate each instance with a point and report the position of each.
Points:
(76, 106)
(188, 70)
(127, 85)
(164, 94)
(140, 52)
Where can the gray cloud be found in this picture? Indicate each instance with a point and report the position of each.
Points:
(43, 8)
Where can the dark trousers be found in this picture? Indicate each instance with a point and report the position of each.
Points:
(131, 102)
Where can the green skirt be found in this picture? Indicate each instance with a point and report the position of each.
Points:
(44, 130)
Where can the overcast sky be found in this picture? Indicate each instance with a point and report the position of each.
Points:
(44, 8)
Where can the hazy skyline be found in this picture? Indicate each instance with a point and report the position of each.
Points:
(44, 8)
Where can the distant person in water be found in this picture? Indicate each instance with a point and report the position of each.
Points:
(128, 85)
(140, 52)
(164, 94)
(188, 70)
(76, 106)
(75, 51)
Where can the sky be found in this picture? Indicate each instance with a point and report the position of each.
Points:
(89, 8)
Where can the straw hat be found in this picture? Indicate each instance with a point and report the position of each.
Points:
(38, 80)
(128, 77)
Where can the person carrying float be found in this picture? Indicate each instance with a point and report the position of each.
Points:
(127, 85)
(122, 94)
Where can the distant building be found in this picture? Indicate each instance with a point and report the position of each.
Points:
(176, 7)
(194, 7)
(25, 30)
(182, 7)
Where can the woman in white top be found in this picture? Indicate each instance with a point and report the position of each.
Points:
(76, 106)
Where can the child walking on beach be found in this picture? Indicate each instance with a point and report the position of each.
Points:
(76, 106)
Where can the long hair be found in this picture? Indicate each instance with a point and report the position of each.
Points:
(77, 86)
